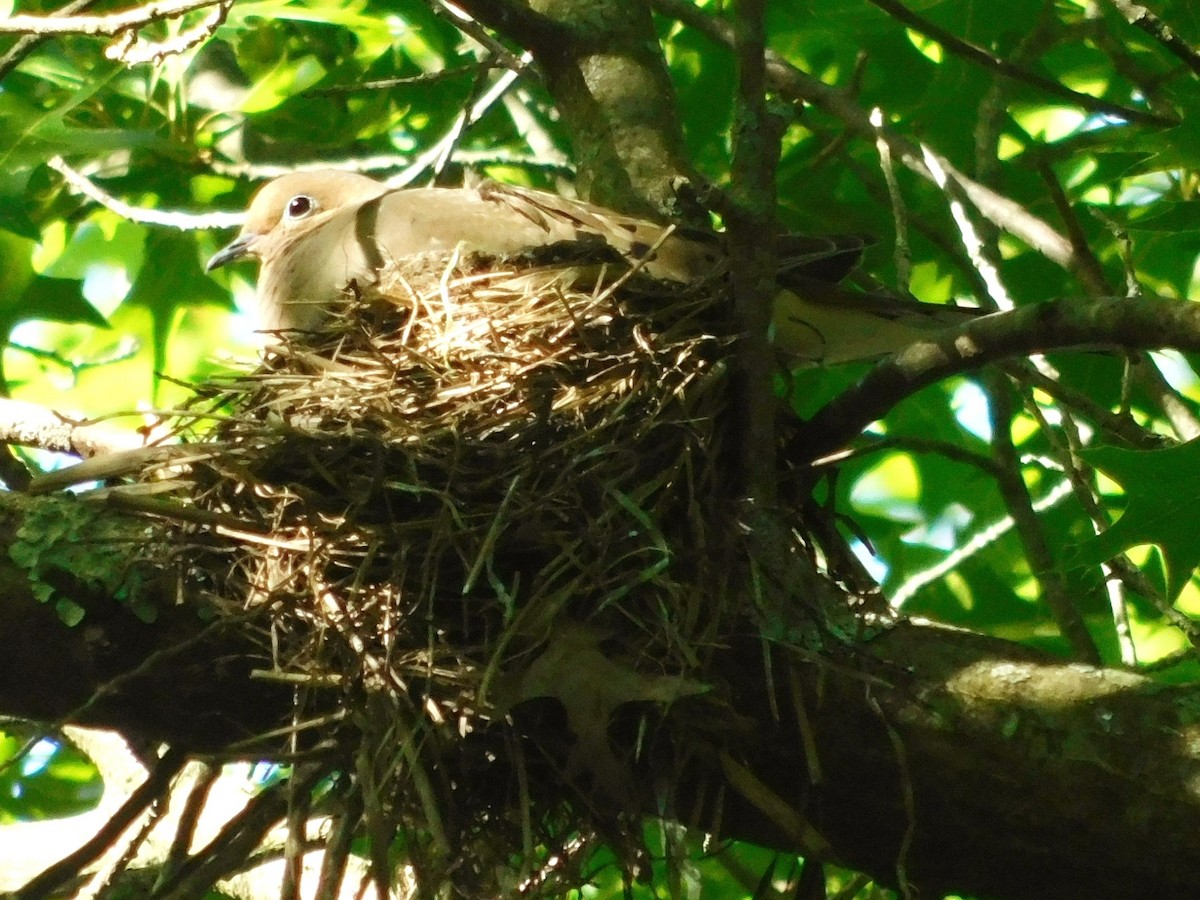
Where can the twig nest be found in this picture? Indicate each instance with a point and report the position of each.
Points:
(484, 453)
(468, 470)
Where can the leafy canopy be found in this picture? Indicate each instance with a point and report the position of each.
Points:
(107, 312)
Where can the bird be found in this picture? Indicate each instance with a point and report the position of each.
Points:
(317, 233)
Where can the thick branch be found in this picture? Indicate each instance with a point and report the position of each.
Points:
(974, 766)
(603, 64)
(174, 679)
(1142, 323)
(999, 771)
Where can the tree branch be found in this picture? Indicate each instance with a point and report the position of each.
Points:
(150, 681)
(980, 57)
(1050, 577)
(1140, 17)
(109, 24)
(751, 222)
(792, 83)
(149, 792)
(30, 42)
(1131, 323)
(980, 725)
(30, 425)
(1020, 776)
(604, 66)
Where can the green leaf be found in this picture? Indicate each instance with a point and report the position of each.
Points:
(32, 136)
(171, 277)
(56, 299)
(51, 781)
(283, 81)
(1166, 216)
(1161, 490)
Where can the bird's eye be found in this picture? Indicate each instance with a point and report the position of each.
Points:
(300, 206)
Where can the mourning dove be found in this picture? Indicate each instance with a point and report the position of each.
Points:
(317, 232)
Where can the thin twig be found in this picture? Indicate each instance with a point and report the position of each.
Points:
(235, 842)
(337, 847)
(109, 24)
(1082, 478)
(441, 149)
(387, 84)
(978, 541)
(467, 25)
(980, 57)
(908, 795)
(795, 84)
(81, 184)
(30, 42)
(138, 802)
(935, 235)
(1029, 528)
(953, 452)
(1121, 428)
(1085, 258)
(131, 49)
(189, 817)
(903, 253)
(976, 248)
(555, 164)
(1182, 417)
(1140, 17)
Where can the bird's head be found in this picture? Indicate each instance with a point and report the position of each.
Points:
(286, 209)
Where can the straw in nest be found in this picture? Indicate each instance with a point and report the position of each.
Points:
(475, 493)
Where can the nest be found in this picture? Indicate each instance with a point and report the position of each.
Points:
(477, 502)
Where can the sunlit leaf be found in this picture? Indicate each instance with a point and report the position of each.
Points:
(1161, 487)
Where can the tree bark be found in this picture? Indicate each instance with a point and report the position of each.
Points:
(174, 679)
(960, 763)
(603, 66)
(937, 758)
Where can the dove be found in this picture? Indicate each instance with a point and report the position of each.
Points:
(316, 233)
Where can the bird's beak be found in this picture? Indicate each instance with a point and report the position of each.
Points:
(239, 248)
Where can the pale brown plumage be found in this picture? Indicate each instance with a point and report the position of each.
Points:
(316, 232)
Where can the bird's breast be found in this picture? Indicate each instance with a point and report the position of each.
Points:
(300, 283)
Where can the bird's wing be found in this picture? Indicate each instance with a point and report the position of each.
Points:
(815, 322)
(663, 251)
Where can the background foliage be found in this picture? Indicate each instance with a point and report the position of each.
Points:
(1066, 108)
